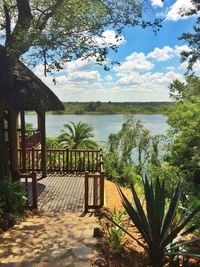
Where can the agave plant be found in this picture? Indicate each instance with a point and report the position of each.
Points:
(156, 222)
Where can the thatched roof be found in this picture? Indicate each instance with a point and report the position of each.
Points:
(30, 93)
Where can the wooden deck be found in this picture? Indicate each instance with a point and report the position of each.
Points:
(61, 193)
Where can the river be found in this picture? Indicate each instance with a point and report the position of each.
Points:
(103, 125)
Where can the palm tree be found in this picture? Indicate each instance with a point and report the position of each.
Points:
(77, 135)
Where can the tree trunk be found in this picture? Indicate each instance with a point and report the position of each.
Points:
(43, 143)
(4, 162)
(6, 87)
(13, 146)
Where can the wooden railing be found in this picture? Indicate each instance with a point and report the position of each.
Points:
(62, 160)
(30, 182)
(32, 139)
(68, 160)
(94, 185)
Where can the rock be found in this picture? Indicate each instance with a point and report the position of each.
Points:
(82, 252)
(97, 232)
(90, 241)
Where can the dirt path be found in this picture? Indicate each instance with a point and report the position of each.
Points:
(49, 239)
(112, 197)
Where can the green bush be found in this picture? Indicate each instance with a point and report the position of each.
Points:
(12, 196)
(119, 171)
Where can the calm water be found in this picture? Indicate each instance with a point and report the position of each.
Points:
(103, 125)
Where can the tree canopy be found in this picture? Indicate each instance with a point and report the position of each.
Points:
(192, 39)
(61, 30)
(188, 90)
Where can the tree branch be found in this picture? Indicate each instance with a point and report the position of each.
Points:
(42, 22)
(7, 22)
(15, 45)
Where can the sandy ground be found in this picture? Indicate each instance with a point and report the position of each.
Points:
(49, 239)
(112, 198)
(55, 238)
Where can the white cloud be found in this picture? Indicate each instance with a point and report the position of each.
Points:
(79, 65)
(161, 54)
(157, 3)
(150, 80)
(134, 62)
(85, 75)
(134, 80)
(108, 78)
(109, 38)
(170, 68)
(178, 8)
(167, 52)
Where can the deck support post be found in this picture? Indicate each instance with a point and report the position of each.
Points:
(86, 190)
(34, 190)
(13, 143)
(102, 188)
(23, 141)
(42, 127)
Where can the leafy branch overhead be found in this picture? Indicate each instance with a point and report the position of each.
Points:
(57, 31)
(192, 39)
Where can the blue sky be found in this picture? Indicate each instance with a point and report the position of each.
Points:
(149, 62)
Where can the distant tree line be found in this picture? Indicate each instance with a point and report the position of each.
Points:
(116, 108)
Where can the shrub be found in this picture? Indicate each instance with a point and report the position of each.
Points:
(12, 196)
(115, 234)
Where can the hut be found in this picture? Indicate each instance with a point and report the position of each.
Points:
(29, 94)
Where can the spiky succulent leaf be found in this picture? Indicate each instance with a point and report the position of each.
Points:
(170, 215)
(179, 228)
(135, 217)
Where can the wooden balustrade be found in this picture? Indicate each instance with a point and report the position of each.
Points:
(68, 160)
(63, 160)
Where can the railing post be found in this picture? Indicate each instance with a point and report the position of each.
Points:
(101, 188)
(33, 158)
(95, 190)
(26, 185)
(23, 141)
(34, 190)
(86, 190)
(67, 159)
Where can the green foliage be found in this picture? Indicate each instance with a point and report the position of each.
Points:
(184, 120)
(186, 205)
(119, 171)
(188, 90)
(184, 149)
(77, 135)
(115, 234)
(157, 222)
(170, 174)
(120, 164)
(28, 127)
(52, 142)
(192, 39)
(12, 196)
